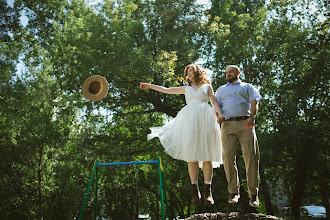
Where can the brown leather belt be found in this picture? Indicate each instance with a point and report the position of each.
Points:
(240, 118)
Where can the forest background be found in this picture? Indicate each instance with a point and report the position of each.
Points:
(51, 135)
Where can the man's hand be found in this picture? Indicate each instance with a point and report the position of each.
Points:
(249, 123)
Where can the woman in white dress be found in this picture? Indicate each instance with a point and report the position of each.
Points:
(194, 134)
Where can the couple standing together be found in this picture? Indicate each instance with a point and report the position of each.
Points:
(194, 134)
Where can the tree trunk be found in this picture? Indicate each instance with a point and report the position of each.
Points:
(325, 198)
(265, 191)
(244, 201)
(323, 175)
(301, 168)
(175, 203)
(299, 189)
(39, 183)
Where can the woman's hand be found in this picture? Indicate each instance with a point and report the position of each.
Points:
(144, 85)
(220, 118)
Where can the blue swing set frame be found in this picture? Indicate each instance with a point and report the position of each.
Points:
(95, 171)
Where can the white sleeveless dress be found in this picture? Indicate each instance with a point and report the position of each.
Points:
(194, 134)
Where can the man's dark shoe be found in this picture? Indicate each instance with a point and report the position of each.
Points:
(254, 201)
(233, 198)
(195, 194)
(208, 199)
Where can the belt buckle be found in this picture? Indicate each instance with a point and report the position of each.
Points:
(239, 118)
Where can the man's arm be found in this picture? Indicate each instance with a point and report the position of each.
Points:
(250, 122)
(254, 107)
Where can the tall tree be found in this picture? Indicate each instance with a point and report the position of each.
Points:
(293, 59)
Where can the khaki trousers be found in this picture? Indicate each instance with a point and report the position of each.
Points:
(234, 133)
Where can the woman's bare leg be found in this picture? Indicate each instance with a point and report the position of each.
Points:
(207, 172)
(193, 170)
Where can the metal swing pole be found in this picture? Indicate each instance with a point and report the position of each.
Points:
(95, 170)
(89, 186)
(95, 205)
(136, 191)
(160, 169)
(165, 198)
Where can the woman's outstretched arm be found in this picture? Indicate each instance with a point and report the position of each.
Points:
(172, 90)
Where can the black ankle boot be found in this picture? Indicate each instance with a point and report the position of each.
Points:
(195, 194)
(208, 199)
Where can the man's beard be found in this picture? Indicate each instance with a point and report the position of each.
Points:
(232, 79)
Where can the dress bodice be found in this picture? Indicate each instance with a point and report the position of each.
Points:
(199, 95)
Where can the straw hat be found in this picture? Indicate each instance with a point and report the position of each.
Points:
(95, 88)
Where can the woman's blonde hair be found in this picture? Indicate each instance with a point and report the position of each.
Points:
(201, 76)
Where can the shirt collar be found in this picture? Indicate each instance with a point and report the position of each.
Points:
(239, 81)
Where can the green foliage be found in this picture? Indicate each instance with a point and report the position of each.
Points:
(51, 135)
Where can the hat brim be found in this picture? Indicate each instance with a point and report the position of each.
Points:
(102, 88)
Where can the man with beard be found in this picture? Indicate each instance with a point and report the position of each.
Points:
(239, 104)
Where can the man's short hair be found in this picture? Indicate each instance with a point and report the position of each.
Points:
(236, 67)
